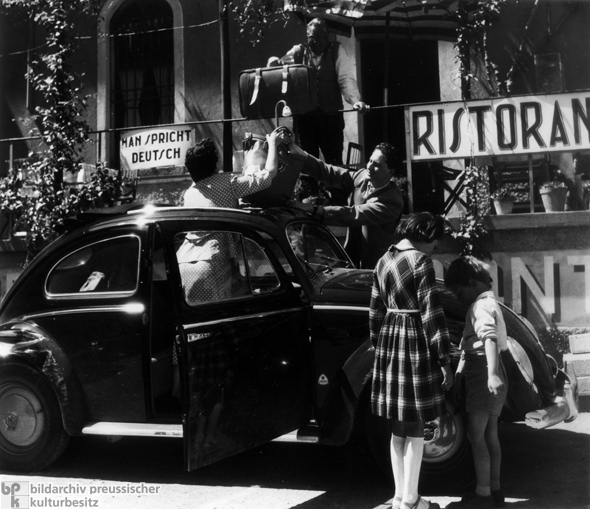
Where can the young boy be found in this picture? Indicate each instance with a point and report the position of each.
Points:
(482, 371)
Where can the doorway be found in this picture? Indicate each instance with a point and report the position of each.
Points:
(412, 77)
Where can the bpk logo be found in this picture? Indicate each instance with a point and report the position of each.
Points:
(14, 495)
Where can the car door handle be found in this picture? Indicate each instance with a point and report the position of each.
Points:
(196, 336)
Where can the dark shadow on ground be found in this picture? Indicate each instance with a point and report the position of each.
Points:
(537, 465)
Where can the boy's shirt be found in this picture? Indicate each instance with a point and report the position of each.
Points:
(484, 320)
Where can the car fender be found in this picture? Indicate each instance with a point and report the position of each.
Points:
(343, 399)
(26, 343)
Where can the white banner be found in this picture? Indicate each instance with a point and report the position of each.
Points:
(499, 126)
(153, 148)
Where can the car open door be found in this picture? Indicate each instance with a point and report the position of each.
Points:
(244, 345)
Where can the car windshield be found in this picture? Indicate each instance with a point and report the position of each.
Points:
(315, 248)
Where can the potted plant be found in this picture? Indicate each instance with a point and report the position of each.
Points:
(553, 194)
(503, 199)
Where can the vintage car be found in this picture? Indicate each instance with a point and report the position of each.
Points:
(116, 329)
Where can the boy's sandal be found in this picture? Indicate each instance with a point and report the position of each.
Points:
(498, 497)
(472, 500)
(428, 505)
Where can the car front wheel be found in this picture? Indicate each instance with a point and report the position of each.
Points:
(31, 431)
(446, 447)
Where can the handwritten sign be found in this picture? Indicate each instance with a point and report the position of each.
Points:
(499, 126)
(153, 148)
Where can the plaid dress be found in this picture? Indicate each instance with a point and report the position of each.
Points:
(410, 346)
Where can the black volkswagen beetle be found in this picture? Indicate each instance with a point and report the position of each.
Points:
(114, 329)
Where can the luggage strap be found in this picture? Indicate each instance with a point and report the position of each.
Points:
(285, 83)
(258, 78)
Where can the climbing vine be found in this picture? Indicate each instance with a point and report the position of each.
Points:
(35, 195)
(472, 28)
(472, 233)
(473, 23)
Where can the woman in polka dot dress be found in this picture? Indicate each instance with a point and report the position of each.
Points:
(224, 189)
(207, 259)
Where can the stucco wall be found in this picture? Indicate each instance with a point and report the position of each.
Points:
(540, 265)
(551, 261)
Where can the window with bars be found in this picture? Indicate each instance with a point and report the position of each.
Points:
(142, 56)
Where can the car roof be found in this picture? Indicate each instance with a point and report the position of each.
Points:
(100, 220)
(138, 216)
(105, 218)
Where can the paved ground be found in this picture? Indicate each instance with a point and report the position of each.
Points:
(542, 469)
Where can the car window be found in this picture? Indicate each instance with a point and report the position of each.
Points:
(314, 248)
(109, 266)
(272, 244)
(262, 275)
(216, 266)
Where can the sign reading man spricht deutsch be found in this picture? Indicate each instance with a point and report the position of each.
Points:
(499, 126)
(156, 147)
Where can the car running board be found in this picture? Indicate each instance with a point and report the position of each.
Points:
(133, 429)
(309, 434)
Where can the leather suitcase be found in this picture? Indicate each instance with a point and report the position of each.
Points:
(260, 90)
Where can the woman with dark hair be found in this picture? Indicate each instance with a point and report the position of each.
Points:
(224, 189)
(412, 365)
(207, 259)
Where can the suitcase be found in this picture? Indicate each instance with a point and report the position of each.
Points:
(260, 90)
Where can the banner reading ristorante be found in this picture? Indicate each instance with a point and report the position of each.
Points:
(499, 126)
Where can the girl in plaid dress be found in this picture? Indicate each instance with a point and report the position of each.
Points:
(412, 365)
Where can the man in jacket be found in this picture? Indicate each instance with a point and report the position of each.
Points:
(323, 129)
(374, 207)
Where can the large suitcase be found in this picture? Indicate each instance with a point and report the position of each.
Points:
(261, 89)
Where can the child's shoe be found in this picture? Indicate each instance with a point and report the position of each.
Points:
(498, 496)
(472, 501)
(422, 503)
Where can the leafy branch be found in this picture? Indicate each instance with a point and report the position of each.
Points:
(255, 16)
(472, 233)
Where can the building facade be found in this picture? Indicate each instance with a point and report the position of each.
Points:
(151, 63)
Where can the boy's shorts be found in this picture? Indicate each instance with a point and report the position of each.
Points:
(478, 397)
